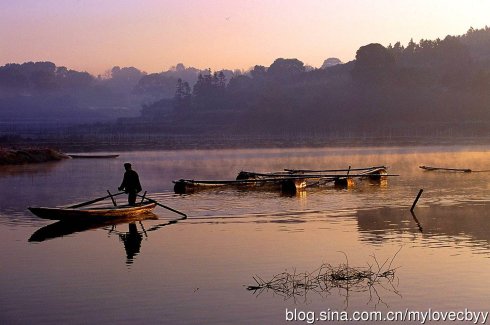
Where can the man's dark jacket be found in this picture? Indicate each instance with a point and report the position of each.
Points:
(131, 182)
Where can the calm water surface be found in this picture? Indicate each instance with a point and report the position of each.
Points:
(196, 271)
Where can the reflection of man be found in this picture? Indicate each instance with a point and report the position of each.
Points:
(132, 242)
(130, 184)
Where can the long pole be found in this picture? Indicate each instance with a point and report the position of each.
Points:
(417, 221)
(166, 207)
(330, 170)
(416, 200)
(78, 205)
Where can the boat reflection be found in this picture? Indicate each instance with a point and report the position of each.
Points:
(131, 239)
(65, 228)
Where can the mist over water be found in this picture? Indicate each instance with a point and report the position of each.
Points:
(186, 272)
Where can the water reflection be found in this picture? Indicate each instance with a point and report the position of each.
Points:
(459, 226)
(344, 278)
(28, 169)
(65, 228)
(131, 239)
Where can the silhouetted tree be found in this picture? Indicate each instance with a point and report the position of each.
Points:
(210, 90)
(373, 62)
(13, 79)
(258, 72)
(183, 96)
(286, 69)
(330, 62)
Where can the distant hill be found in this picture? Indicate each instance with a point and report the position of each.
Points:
(427, 88)
(41, 92)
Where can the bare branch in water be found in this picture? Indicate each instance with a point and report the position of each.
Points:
(343, 277)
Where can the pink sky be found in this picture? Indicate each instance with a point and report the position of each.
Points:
(153, 35)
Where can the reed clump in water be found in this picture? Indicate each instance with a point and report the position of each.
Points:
(328, 277)
(29, 155)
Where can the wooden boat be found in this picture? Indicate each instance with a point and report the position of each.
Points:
(288, 183)
(375, 173)
(66, 214)
(429, 168)
(290, 180)
(184, 186)
(340, 180)
(93, 156)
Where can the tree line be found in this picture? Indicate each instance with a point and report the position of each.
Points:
(440, 84)
(429, 85)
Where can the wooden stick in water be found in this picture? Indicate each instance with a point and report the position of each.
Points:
(416, 199)
(417, 221)
(166, 207)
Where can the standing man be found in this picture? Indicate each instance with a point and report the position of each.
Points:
(130, 184)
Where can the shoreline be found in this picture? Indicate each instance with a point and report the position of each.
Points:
(125, 142)
(29, 156)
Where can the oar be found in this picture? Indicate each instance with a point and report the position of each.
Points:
(78, 205)
(112, 198)
(164, 206)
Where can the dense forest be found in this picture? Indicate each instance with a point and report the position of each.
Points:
(433, 87)
(41, 92)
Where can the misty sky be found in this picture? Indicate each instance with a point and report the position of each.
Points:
(153, 35)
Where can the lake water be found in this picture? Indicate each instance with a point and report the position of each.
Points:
(196, 271)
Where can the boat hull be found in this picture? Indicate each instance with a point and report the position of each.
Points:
(92, 156)
(285, 184)
(65, 214)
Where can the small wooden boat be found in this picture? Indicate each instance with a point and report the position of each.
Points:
(288, 184)
(93, 156)
(66, 214)
(80, 212)
(429, 168)
(375, 173)
(317, 177)
(289, 180)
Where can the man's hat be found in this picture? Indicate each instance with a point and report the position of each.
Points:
(127, 165)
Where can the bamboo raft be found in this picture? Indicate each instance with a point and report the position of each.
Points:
(288, 180)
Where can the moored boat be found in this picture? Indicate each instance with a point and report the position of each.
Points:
(375, 173)
(93, 156)
(185, 186)
(429, 168)
(290, 180)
